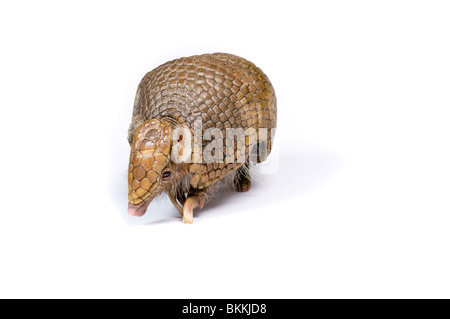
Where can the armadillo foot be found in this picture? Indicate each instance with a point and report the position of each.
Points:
(242, 180)
(192, 202)
(243, 186)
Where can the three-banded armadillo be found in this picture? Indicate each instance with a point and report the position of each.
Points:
(216, 91)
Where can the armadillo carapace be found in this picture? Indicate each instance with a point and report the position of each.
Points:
(198, 109)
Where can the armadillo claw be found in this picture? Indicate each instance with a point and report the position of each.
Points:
(188, 217)
(188, 209)
(176, 204)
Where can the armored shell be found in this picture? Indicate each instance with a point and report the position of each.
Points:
(220, 90)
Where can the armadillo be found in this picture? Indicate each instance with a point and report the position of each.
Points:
(218, 91)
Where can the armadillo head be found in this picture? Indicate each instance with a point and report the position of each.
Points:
(150, 171)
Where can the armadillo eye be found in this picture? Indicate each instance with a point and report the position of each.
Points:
(166, 174)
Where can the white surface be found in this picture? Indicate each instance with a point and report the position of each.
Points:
(360, 204)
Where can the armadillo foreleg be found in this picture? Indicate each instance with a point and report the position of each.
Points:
(176, 204)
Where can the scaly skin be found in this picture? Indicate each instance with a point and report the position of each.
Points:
(220, 90)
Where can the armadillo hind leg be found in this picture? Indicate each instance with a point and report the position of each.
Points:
(242, 180)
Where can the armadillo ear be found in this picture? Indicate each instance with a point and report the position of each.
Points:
(165, 141)
(135, 123)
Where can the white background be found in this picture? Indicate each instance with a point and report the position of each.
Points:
(359, 206)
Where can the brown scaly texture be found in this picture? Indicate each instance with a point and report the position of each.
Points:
(149, 154)
(223, 90)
